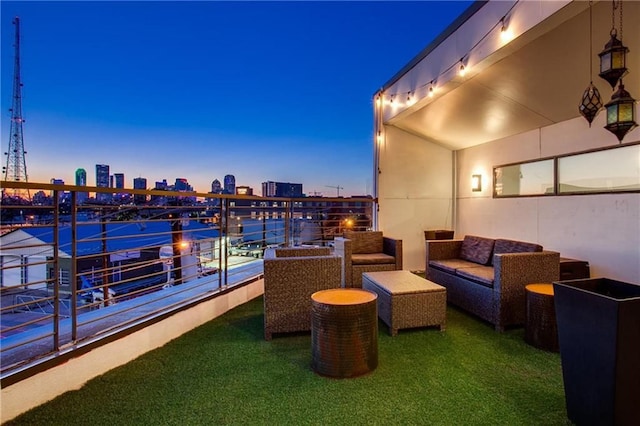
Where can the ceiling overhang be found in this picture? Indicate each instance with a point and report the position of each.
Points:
(533, 81)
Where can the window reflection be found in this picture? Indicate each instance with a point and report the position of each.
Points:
(533, 178)
(602, 171)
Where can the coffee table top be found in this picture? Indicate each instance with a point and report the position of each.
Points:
(343, 296)
(401, 282)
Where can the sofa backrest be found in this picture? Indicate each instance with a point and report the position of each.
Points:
(477, 249)
(512, 246)
(365, 242)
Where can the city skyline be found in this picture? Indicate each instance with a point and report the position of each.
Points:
(266, 91)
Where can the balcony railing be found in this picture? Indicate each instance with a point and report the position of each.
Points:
(79, 263)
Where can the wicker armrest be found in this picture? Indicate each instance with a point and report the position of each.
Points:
(520, 269)
(393, 247)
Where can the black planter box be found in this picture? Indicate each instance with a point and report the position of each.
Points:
(599, 335)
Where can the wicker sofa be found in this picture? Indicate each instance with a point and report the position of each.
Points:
(367, 251)
(291, 276)
(487, 277)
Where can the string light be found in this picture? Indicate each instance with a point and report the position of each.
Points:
(506, 34)
(410, 100)
(462, 71)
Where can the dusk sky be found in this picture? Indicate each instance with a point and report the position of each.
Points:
(277, 91)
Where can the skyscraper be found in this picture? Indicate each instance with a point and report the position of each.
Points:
(216, 187)
(102, 181)
(140, 183)
(119, 178)
(229, 184)
(81, 180)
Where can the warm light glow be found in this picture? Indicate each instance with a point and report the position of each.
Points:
(462, 70)
(410, 99)
(184, 244)
(505, 33)
(379, 137)
(476, 183)
(378, 101)
(431, 91)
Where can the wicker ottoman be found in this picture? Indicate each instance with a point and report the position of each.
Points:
(406, 300)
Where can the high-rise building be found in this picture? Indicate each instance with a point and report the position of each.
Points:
(182, 185)
(216, 187)
(119, 180)
(229, 184)
(102, 181)
(163, 186)
(81, 180)
(55, 181)
(281, 189)
(140, 183)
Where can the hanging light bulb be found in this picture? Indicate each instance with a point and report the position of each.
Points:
(621, 113)
(410, 99)
(505, 32)
(591, 100)
(431, 90)
(462, 71)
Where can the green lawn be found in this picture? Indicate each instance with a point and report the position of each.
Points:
(224, 372)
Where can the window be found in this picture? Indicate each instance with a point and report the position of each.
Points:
(611, 170)
(601, 171)
(532, 178)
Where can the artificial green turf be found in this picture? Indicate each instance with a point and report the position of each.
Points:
(224, 372)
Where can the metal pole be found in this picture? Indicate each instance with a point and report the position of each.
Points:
(56, 275)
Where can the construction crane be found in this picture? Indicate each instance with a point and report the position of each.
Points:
(337, 188)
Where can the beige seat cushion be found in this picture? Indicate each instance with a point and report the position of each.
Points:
(372, 259)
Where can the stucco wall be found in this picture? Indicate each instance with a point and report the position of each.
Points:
(415, 191)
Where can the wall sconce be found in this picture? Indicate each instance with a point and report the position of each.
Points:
(476, 183)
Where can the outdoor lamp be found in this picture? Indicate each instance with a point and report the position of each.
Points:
(621, 113)
(613, 60)
(476, 183)
(591, 103)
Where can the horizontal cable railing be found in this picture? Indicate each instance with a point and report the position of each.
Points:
(74, 268)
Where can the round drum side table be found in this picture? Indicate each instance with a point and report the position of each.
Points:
(344, 332)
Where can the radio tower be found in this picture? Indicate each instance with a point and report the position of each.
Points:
(16, 168)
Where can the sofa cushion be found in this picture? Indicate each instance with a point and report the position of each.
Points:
(480, 274)
(451, 265)
(372, 259)
(512, 246)
(477, 249)
(365, 242)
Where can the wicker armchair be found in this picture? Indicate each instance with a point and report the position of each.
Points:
(291, 276)
(367, 251)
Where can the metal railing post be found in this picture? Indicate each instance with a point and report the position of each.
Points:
(74, 268)
(226, 233)
(56, 274)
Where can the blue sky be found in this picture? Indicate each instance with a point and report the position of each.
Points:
(262, 90)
